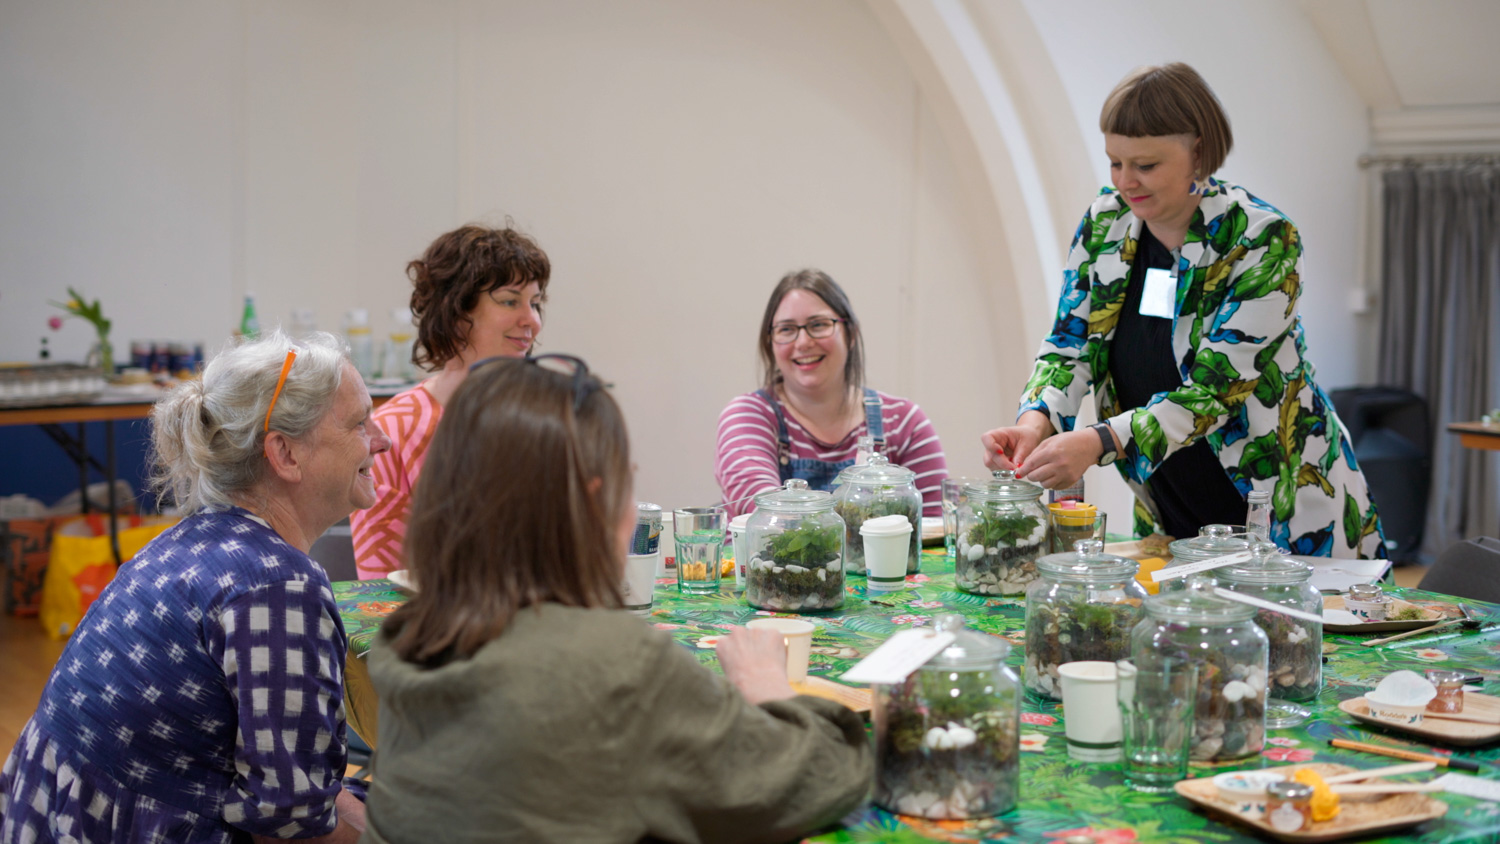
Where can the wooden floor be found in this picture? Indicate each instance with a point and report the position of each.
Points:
(27, 656)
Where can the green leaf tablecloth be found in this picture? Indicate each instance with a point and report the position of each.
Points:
(1061, 801)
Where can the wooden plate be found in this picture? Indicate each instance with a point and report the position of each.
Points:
(1463, 733)
(1434, 615)
(1357, 817)
(858, 699)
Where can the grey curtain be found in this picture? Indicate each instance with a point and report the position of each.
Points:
(1440, 291)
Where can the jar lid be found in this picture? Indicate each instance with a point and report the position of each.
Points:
(1088, 561)
(795, 497)
(970, 649)
(1289, 790)
(1197, 604)
(1004, 486)
(1267, 566)
(1211, 541)
(879, 471)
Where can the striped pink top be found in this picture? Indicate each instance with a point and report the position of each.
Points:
(409, 419)
(746, 463)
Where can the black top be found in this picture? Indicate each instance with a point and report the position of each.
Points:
(1190, 487)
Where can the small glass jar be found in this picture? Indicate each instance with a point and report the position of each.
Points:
(1083, 607)
(947, 739)
(1368, 601)
(796, 546)
(1289, 806)
(1450, 690)
(1211, 541)
(1296, 656)
(877, 488)
(1221, 637)
(1002, 530)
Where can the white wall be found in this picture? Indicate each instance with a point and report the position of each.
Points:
(674, 158)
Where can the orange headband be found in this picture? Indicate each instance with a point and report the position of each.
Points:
(291, 355)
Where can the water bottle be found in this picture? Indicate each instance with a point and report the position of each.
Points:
(361, 345)
(249, 322)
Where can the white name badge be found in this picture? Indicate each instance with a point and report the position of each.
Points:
(1159, 299)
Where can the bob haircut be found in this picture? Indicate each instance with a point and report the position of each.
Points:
(819, 284)
(454, 272)
(1170, 99)
(484, 550)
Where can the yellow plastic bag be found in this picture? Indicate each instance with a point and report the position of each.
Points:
(81, 565)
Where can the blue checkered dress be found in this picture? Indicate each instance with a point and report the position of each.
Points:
(200, 699)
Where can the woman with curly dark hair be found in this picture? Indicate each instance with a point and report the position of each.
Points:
(477, 293)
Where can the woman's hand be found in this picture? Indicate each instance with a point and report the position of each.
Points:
(1060, 461)
(755, 662)
(1008, 448)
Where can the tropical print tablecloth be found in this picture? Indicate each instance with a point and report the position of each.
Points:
(1062, 802)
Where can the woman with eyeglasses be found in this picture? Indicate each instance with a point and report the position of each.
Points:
(519, 702)
(201, 697)
(806, 419)
(477, 293)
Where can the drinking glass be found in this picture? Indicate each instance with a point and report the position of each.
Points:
(1156, 722)
(1068, 525)
(699, 532)
(953, 497)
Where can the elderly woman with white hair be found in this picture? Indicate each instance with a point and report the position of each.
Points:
(201, 697)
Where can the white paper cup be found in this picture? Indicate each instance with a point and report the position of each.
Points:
(887, 543)
(1091, 719)
(639, 584)
(798, 637)
(741, 545)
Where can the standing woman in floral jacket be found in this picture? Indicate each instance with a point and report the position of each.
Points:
(1179, 310)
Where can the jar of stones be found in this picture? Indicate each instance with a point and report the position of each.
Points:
(947, 738)
(878, 488)
(796, 546)
(1083, 607)
(1296, 658)
(1002, 530)
(1221, 637)
(1211, 541)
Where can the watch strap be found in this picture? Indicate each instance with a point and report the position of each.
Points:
(1107, 439)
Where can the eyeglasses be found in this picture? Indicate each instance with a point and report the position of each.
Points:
(817, 328)
(286, 366)
(583, 383)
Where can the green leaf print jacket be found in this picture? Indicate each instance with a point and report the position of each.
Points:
(1247, 384)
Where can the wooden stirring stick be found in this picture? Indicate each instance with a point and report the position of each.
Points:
(1463, 716)
(1408, 634)
(1389, 788)
(1388, 771)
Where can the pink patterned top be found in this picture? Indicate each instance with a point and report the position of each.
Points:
(409, 419)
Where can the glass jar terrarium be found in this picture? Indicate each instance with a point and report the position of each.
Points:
(796, 546)
(1221, 638)
(1296, 658)
(1211, 541)
(1083, 607)
(1002, 530)
(877, 488)
(947, 739)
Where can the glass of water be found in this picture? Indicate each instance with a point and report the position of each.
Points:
(953, 497)
(1156, 721)
(699, 532)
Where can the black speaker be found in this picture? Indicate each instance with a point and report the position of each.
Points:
(1392, 438)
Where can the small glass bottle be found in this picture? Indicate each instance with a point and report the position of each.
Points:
(1289, 805)
(1450, 690)
(864, 447)
(361, 344)
(249, 322)
(1258, 517)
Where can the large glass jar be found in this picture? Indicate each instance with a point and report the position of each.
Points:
(1002, 530)
(1296, 661)
(878, 488)
(1220, 637)
(1211, 541)
(1083, 607)
(947, 739)
(796, 546)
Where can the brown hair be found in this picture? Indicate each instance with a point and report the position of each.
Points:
(504, 517)
(454, 272)
(1171, 99)
(819, 284)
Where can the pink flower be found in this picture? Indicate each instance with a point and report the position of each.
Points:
(910, 619)
(928, 605)
(1282, 754)
(54, 322)
(1430, 654)
(1038, 718)
(1096, 836)
(1283, 742)
(918, 578)
(1033, 742)
(662, 625)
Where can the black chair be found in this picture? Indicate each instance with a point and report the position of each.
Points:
(1392, 440)
(1468, 569)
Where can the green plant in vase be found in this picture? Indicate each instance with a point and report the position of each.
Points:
(93, 312)
(798, 569)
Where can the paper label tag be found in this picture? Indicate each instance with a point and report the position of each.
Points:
(1202, 565)
(1267, 605)
(1159, 297)
(1470, 786)
(901, 654)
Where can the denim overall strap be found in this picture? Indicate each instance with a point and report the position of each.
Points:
(873, 421)
(783, 439)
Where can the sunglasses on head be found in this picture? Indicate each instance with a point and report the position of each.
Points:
(583, 383)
